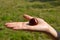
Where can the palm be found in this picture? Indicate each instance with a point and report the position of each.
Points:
(42, 25)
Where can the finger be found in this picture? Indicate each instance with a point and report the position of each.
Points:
(12, 24)
(9, 24)
(18, 26)
(27, 17)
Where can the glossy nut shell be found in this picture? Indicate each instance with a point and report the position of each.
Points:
(33, 21)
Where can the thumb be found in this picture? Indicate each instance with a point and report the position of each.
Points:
(27, 17)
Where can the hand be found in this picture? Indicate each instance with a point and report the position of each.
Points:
(41, 26)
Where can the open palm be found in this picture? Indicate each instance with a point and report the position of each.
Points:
(41, 26)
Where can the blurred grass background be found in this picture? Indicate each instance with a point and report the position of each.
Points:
(13, 10)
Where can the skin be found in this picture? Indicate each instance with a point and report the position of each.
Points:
(41, 26)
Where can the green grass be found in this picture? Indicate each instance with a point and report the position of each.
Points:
(13, 10)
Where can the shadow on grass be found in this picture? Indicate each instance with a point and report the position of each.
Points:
(41, 0)
(51, 4)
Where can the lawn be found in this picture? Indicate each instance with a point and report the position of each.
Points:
(13, 10)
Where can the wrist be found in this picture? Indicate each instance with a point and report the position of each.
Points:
(53, 32)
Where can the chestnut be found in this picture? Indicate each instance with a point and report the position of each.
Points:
(33, 21)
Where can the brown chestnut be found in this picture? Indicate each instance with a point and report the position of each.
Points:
(33, 21)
